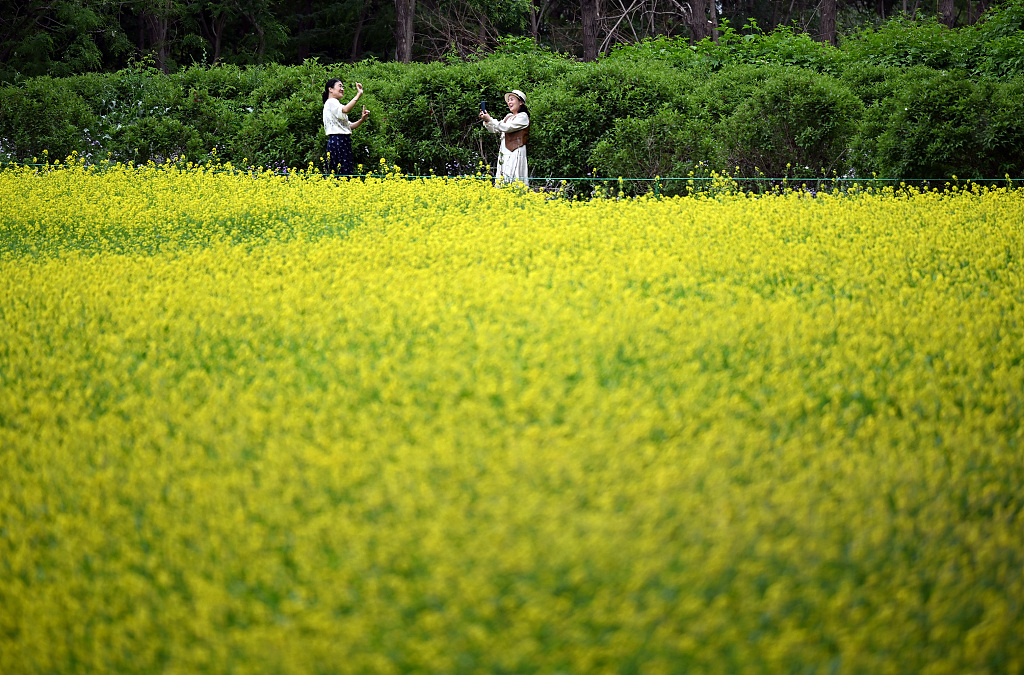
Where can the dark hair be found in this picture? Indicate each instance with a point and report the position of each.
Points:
(522, 106)
(327, 88)
(524, 109)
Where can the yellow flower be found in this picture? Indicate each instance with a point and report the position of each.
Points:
(266, 423)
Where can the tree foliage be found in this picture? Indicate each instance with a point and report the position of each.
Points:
(65, 37)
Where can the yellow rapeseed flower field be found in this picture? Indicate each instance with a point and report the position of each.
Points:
(282, 424)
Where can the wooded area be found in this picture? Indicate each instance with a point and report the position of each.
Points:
(67, 37)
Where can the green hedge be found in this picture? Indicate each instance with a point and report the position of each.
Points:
(782, 106)
(937, 124)
(45, 115)
(796, 124)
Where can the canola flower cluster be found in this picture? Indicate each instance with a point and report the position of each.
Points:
(286, 424)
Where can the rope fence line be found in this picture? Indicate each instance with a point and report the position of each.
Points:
(784, 181)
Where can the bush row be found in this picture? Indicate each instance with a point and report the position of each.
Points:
(636, 117)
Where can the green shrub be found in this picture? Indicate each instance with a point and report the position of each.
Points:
(579, 108)
(139, 92)
(424, 116)
(878, 87)
(947, 124)
(994, 48)
(677, 52)
(288, 133)
(41, 115)
(669, 143)
(719, 95)
(275, 83)
(214, 119)
(658, 108)
(431, 115)
(157, 139)
(784, 46)
(1004, 20)
(222, 80)
(96, 89)
(905, 43)
(1003, 57)
(796, 124)
(873, 83)
(1000, 135)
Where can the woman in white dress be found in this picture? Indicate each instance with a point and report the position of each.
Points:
(515, 132)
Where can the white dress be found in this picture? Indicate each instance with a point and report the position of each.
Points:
(511, 165)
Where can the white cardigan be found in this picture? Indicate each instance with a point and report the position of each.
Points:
(335, 119)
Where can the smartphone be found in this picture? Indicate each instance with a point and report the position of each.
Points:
(483, 105)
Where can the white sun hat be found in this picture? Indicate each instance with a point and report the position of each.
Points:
(518, 93)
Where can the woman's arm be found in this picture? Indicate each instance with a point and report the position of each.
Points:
(519, 121)
(495, 127)
(366, 113)
(347, 108)
(490, 123)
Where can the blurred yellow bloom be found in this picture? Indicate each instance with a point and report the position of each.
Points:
(266, 423)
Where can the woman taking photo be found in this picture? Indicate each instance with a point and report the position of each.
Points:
(515, 131)
(339, 129)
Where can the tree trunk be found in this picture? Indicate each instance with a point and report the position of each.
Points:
(157, 30)
(304, 25)
(714, 21)
(700, 27)
(405, 11)
(261, 45)
(354, 54)
(212, 28)
(947, 13)
(789, 12)
(220, 35)
(829, 12)
(589, 10)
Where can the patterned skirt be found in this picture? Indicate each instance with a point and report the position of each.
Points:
(339, 155)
